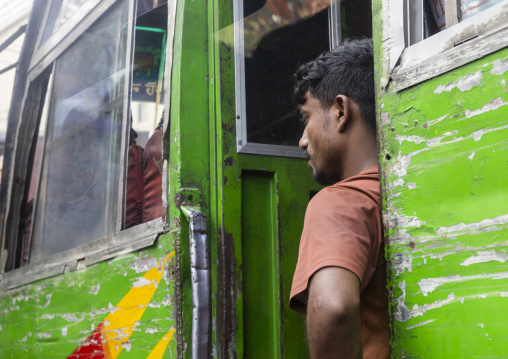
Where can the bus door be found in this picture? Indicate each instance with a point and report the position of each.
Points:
(263, 184)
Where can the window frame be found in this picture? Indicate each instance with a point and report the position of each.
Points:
(242, 144)
(36, 64)
(457, 45)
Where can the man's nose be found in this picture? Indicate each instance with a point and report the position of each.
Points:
(304, 141)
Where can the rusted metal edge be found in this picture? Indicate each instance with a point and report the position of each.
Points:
(227, 296)
(200, 282)
(126, 241)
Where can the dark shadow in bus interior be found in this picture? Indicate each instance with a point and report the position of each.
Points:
(277, 39)
(144, 170)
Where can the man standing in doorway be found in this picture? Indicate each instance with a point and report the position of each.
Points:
(339, 281)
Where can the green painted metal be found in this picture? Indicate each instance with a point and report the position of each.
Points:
(51, 318)
(260, 270)
(292, 182)
(188, 147)
(444, 178)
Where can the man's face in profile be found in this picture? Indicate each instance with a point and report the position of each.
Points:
(319, 141)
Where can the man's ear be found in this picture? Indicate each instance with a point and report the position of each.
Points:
(343, 104)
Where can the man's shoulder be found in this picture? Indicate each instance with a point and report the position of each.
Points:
(363, 187)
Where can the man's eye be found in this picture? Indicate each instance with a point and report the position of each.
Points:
(303, 120)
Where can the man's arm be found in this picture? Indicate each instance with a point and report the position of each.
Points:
(333, 314)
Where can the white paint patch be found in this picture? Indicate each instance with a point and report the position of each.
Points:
(48, 300)
(398, 183)
(486, 256)
(499, 68)
(437, 120)
(465, 83)
(44, 335)
(47, 316)
(404, 221)
(142, 282)
(143, 265)
(504, 294)
(385, 118)
(20, 298)
(411, 185)
(151, 330)
(26, 337)
(95, 289)
(471, 156)
(480, 325)
(477, 135)
(112, 308)
(165, 183)
(64, 332)
(492, 105)
(461, 227)
(71, 317)
(127, 345)
(418, 311)
(428, 285)
(420, 324)
(106, 323)
(503, 83)
(402, 164)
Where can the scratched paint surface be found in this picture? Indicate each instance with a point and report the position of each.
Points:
(445, 177)
(116, 309)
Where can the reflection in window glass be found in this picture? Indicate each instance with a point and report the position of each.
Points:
(278, 37)
(60, 12)
(8, 58)
(78, 188)
(435, 13)
(468, 8)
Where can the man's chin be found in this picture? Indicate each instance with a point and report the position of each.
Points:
(320, 179)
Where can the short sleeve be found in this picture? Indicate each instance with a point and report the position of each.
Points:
(341, 229)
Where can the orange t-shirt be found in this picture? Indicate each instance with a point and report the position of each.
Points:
(342, 228)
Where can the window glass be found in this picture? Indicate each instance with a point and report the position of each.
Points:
(468, 8)
(8, 60)
(59, 13)
(435, 16)
(277, 37)
(78, 190)
(144, 175)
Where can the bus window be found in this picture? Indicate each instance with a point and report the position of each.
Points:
(59, 13)
(77, 192)
(144, 176)
(12, 34)
(74, 193)
(271, 40)
(430, 37)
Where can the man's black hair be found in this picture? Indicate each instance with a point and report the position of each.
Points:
(347, 70)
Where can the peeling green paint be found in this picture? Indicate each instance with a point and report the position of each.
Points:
(444, 168)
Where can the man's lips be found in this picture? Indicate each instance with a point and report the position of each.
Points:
(306, 155)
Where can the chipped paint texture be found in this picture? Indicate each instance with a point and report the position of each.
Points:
(444, 145)
(99, 308)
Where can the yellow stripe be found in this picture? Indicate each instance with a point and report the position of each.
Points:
(119, 325)
(160, 348)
